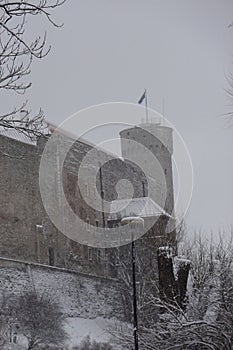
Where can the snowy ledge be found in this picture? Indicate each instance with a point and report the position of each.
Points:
(55, 268)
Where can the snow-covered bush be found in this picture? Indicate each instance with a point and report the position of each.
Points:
(207, 321)
(39, 319)
(87, 344)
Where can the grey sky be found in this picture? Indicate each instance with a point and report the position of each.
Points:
(109, 50)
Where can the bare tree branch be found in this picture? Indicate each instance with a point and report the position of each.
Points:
(17, 54)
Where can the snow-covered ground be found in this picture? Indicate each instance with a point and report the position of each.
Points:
(96, 300)
(78, 328)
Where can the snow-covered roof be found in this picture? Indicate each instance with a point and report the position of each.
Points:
(17, 135)
(48, 129)
(143, 206)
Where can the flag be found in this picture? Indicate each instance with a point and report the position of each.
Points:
(141, 99)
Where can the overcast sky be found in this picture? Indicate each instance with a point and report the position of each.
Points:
(180, 50)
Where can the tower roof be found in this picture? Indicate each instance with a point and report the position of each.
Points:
(143, 207)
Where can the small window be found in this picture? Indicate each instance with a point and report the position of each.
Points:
(165, 171)
(51, 256)
(90, 253)
(143, 190)
(97, 223)
(86, 190)
(98, 254)
(39, 228)
(88, 224)
(15, 339)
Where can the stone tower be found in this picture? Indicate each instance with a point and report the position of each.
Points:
(147, 143)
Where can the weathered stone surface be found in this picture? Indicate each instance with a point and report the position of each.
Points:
(78, 294)
(26, 231)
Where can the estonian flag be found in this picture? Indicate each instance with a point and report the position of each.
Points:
(142, 98)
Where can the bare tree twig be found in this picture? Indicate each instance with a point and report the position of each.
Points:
(17, 54)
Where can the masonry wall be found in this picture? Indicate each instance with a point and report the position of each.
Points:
(26, 231)
(158, 141)
(79, 295)
(20, 207)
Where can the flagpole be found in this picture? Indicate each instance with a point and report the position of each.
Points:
(147, 119)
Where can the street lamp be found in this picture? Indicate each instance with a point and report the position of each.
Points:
(135, 220)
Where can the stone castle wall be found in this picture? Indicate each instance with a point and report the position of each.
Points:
(26, 231)
(28, 234)
(79, 295)
(143, 144)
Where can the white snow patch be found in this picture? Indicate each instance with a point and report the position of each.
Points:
(178, 262)
(79, 328)
(166, 251)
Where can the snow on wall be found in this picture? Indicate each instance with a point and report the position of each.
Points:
(79, 295)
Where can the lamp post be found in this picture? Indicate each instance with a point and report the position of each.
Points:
(135, 220)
